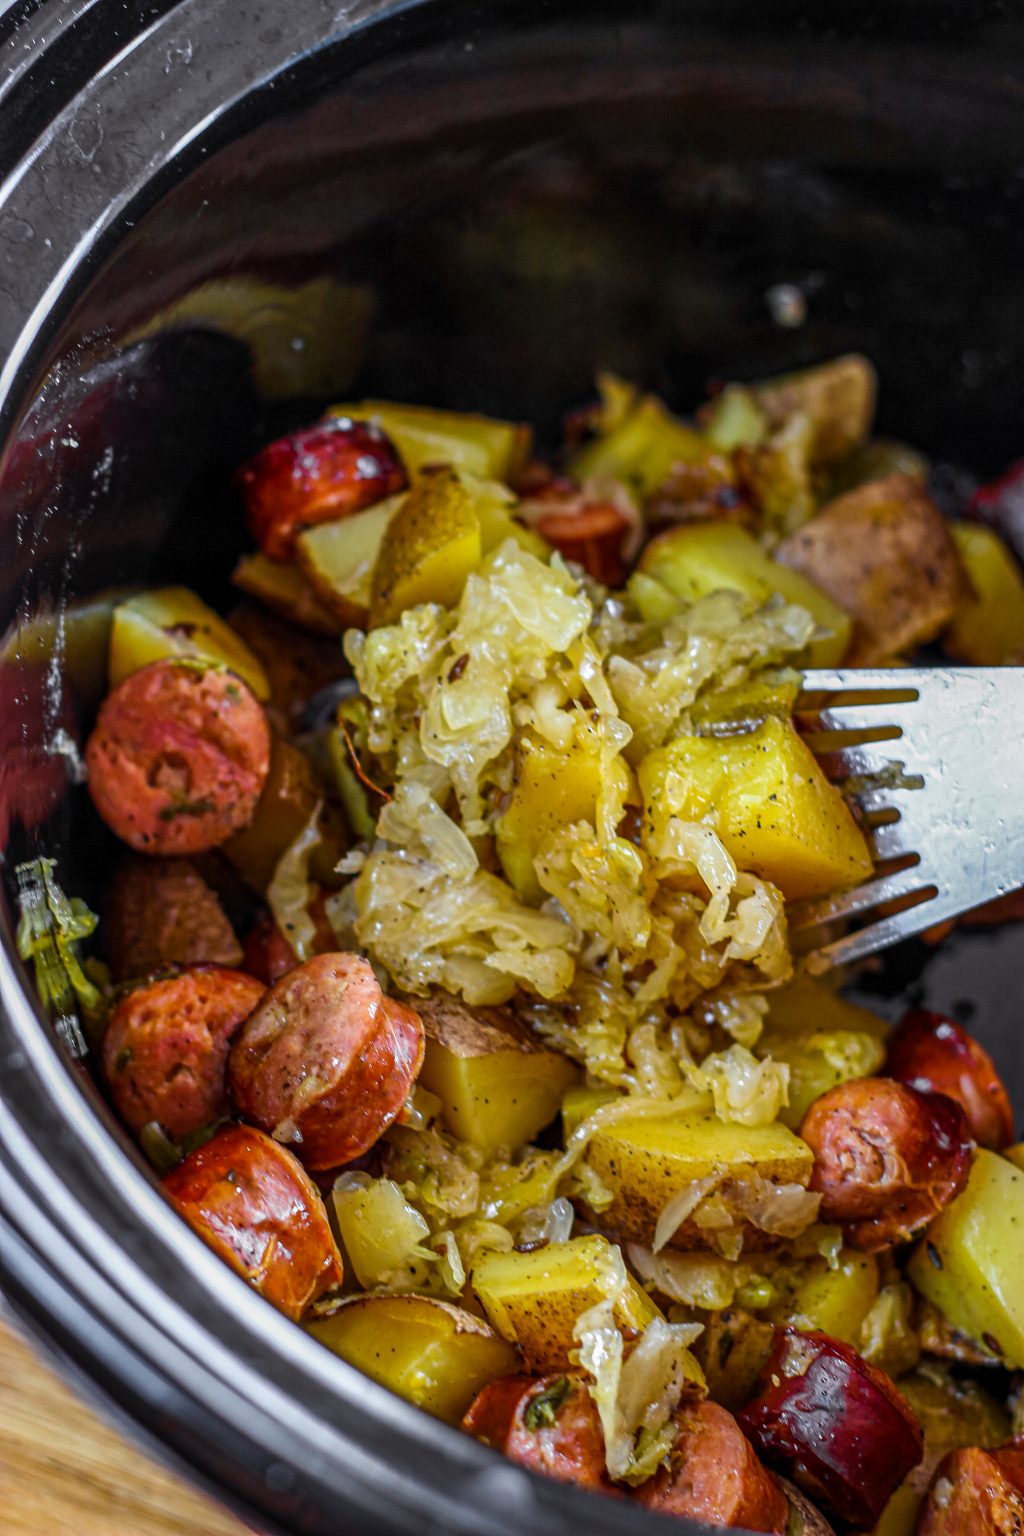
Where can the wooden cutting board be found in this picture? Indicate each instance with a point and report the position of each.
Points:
(64, 1473)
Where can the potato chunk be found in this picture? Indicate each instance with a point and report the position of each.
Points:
(883, 551)
(769, 801)
(837, 396)
(288, 801)
(988, 626)
(339, 559)
(552, 790)
(646, 1161)
(643, 445)
(534, 1299)
(824, 1040)
(969, 1263)
(497, 1085)
(285, 591)
(494, 450)
(173, 621)
(430, 1352)
(833, 1301)
(699, 558)
(433, 542)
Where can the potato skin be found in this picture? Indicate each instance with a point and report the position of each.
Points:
(886, 1158)
(712, 1474)
(561, 1437)
(161, 913)
(165, 1050)
(984, 1496)
(327, 1059)
(250, 1199)
(884, 552)
(178, 758)
(933, 1054)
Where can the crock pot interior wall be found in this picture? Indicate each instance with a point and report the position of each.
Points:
(480, 207)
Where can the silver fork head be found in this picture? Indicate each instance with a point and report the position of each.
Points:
(933, 761)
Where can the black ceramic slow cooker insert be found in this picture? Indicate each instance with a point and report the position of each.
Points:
(216, 216)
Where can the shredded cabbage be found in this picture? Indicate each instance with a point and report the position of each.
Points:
(290, 891)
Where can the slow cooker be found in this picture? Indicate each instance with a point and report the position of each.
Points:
(216, 216)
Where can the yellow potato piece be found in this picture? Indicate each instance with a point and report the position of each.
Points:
(641, 448)
(645, 1162)
(173, 621)
(483, 446)
(580, 1103)
(833, 1301)
(430, 1352)
(700, 558)
(988, 626)
(497, 1085)
(288, 800)
(805, 1006)
(534, 1299)
(769, 801)
(432, 544)
(339, 558)
(552, 790)
(285, 591)
(969, 1263)
(823, 1038)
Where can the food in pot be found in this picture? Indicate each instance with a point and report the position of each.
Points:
(495, 791)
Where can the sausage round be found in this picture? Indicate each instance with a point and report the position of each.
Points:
(165, 1049)
(178, 757)
(836, 1424)
(326, 1061)
(547, 1423)
(934, 1054)
(976, 1493)
(886, 1158)
(321, 473)
(713, 1474)
(268, 953)
(161, 913)
(252, 1201)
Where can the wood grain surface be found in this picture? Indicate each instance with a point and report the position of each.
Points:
(64, 1473)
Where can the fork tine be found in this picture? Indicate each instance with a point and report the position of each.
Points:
(864, 759)
(875, 936)
(891, 886)
(888, 840)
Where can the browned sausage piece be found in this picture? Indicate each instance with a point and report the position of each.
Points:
(547, 1423)
(933, 1054)
(886, 1158)
(165, 1050)
(178, 757)
(712, 1474)
(326, 1062)
(252, 1201)
(976, 1493)
(160, 913)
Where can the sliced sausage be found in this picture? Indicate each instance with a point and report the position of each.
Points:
(178, 757)
(326, 1061)
(976, 1493)
(165, 1050)
(252, 1201)
(547, 1423)
(161, 913)
(933, 1054)
(886, 1158)
(268, 953)
(326, 471)
(713, 1474)
(835, 1424)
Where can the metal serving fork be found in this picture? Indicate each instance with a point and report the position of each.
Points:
(934, 759)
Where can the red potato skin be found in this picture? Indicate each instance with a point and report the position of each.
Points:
(933, 1054)
(571, 1450)
(327, 1060)
(253, 1202)
(835, 1424)
(976, 1493)
(887, 1159)
(178, 758)
(324, 472)
(713, 1475)
(165, 1050)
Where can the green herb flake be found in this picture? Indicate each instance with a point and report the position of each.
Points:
(177, 808)
(542, 1411)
